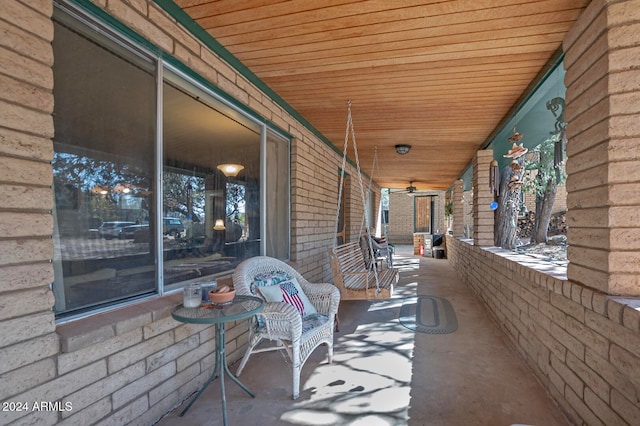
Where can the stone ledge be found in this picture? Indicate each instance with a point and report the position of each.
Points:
(556, 271)
(94, 329)
(620, 309)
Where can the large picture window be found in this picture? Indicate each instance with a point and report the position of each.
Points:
(211, 174)
(103, 167)
(145, 200)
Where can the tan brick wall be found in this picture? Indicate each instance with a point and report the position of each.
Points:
(401, 212)
(603, 115)
(482, 198)
(400, 229)
(133, 365)
(28, 343)
(458, 208)
(580, 343)
(560, 204)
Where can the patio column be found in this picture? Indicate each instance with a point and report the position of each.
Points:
(603, 166)
(458, 208)
(482, 198)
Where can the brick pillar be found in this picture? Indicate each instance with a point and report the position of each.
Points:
(458, 208)
(603, 114)
(482, 198)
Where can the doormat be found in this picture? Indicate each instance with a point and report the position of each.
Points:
(428, 314)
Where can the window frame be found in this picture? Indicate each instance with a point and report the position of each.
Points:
(95, 19)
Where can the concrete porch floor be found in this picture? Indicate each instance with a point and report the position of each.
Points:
(385, 374)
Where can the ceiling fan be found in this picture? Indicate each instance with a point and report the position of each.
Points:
(409, 189)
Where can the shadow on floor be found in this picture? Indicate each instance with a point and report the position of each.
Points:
(386, 374)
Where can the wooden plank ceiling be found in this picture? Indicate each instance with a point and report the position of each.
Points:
(435, 74)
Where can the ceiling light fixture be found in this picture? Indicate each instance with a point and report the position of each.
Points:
(230, 169)
(402, 149)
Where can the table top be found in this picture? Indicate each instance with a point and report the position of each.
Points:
(240, 307)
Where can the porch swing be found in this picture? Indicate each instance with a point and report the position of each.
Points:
(358, 278)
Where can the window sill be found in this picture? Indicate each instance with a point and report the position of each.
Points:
(88, 331)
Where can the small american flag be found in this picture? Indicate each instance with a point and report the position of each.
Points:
(291, 295)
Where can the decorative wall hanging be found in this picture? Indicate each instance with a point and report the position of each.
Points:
(516, 150)
(516, 136)
(556, 106)
(494, 178)
(558, 149)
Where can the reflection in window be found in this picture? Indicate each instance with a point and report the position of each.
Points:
(103, 166)
(199, 134)
(236, 213)
(116, 237)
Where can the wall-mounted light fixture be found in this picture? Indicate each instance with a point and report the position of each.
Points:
(230, 169)
(219, 225)
(402, 149)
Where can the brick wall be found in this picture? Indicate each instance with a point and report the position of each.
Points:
(482, 198)
(581, 344)
(458, 208)
(401, 211)
(400, 229)
(603, 115)
(132, 365)
(28, 343)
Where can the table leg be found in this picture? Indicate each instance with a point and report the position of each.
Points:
(221, 368)
(223, 359)
(217, 369)
(235, 379)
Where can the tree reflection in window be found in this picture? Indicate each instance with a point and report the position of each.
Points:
(184, 196)
(111, 190)
(236, 208)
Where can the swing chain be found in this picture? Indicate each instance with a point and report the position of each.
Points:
(350, 131)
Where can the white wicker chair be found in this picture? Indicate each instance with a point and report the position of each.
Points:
(282, 322)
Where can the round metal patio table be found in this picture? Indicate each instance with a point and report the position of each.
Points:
(240, 307)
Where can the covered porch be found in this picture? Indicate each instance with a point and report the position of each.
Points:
(530, 342)
(384, 373)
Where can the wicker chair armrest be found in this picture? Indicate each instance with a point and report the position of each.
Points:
(324, 297)
(282, 320)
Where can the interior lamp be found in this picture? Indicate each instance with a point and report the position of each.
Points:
(102, 190)
(121, 188)
(402, 149)
(230, 169)
(219, 225)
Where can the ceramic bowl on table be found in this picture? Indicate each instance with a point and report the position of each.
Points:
(221, 298)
